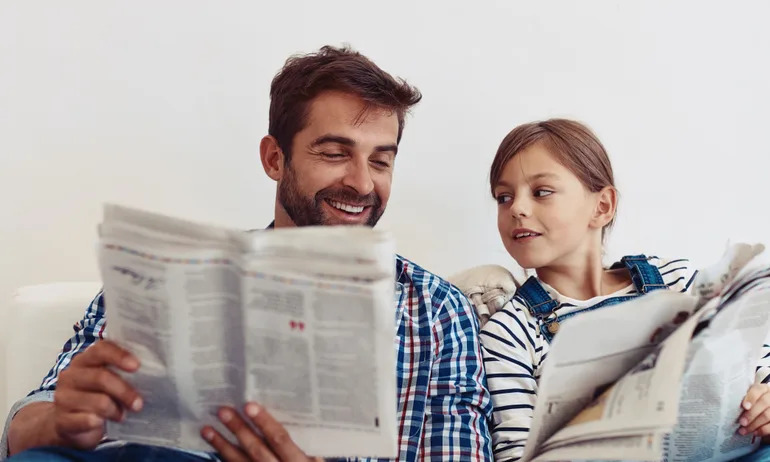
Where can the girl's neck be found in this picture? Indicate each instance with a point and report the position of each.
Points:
(583, 277)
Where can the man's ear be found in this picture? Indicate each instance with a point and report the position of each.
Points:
(606, 206)
(272, 157)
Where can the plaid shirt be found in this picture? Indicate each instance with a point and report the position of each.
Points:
(444, 406)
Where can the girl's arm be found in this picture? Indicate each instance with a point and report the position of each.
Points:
(512, 352)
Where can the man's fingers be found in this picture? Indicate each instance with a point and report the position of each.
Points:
(250, 443)
(225, 450)
(102, 380)
(106, 353)
(89, 402)
(72, 423)
(275, 434)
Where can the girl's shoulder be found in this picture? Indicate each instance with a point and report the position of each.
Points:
(677, 273)
(512, 316)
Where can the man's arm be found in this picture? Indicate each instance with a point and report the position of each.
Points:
(459, 407)
(30, 422)
(32, 426)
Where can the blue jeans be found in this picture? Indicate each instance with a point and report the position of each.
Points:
(126, 453)
(762, 454)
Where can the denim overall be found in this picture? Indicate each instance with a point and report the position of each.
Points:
(542, 306)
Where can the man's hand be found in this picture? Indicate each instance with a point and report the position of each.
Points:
(88, 393)
(756, 416)
(276, 445)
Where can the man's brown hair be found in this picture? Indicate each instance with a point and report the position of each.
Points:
(303, 77)
(572, 144)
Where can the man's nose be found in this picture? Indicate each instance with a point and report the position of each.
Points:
(359, 177)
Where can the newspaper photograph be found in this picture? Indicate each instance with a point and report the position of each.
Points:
(299, 321)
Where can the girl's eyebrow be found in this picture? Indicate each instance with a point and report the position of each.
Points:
(531, 178)
(540, 176)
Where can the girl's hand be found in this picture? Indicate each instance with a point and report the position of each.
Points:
(756, 415)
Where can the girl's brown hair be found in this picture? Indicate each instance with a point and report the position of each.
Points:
(570, 142)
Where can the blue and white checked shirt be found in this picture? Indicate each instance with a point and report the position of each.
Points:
(444, 406)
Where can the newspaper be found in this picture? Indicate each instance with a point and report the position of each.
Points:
(299, 321)
(658, 378)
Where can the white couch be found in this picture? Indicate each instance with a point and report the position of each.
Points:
(39, 321)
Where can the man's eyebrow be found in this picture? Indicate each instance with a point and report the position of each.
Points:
(387, 148)
(345, 141)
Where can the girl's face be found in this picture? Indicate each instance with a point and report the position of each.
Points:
(545, 215)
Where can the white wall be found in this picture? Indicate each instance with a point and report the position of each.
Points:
(162, 104)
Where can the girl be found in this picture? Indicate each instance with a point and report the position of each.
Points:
(556, 196)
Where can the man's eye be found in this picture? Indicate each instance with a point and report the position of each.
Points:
(332, 155)
(543, 193)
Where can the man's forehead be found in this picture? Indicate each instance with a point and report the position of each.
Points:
(334, 111)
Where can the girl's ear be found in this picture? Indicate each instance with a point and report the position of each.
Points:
(606, 206)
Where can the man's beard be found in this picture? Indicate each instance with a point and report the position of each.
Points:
(308, 211)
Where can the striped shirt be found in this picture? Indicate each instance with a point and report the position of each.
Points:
(444, 407)
(515, 350)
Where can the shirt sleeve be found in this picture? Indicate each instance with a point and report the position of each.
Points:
(511, 358)
(87, 331)
(459, 407)
(763, 366)
(678, 274)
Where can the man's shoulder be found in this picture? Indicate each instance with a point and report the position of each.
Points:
(428, 285)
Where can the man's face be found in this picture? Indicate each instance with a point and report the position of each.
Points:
(341, 165)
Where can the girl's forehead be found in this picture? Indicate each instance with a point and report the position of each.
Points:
(534, 160)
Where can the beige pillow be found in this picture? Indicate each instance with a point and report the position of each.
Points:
(489, 288)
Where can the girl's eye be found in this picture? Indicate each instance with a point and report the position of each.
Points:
(502, 199)
(543, 193)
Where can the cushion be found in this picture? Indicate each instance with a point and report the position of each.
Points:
(40, 321)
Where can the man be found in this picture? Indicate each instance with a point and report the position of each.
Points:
(336, 121)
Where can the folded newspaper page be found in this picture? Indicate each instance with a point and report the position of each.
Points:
(299, 321)
(657, 378)
(721, 367)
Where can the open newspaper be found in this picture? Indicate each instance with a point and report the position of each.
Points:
(661, 377)
(299, 321)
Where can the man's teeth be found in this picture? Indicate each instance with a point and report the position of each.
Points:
(520, 235)
(346, 207)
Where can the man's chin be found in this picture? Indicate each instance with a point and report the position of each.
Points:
(356, 221)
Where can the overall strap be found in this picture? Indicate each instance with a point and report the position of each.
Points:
(537, 299)
(645, 276)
